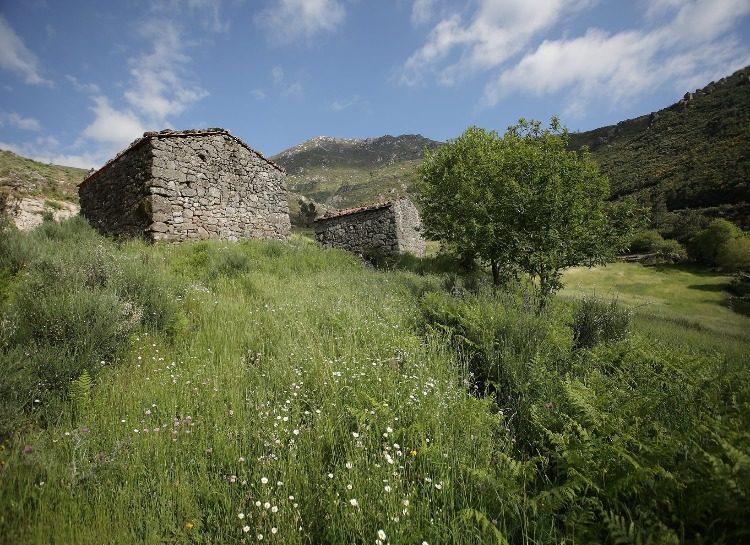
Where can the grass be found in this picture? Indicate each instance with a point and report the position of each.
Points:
(20, 176)
(677, 304)
(280, 393)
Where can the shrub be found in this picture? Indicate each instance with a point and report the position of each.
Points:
(598, 321)
(734, 255)
(646, 241)
(671, 250)
(704, 247)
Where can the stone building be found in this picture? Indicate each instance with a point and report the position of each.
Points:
(391, 227)
(188, 185)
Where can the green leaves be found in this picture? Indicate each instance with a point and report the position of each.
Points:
(523, 201)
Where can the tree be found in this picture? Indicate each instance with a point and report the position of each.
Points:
(705, 246)
(522, 203)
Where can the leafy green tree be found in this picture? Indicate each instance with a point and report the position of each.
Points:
(522, 202)
(734, 254)
(705, 246)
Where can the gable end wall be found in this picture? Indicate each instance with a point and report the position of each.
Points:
(213, 187)
(360, 232)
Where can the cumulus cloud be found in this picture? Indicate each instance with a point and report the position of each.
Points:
(492, 34)
(45, 149)
(13, 119)
(112, 126)
(688, 49)
(15, 56)
(159, 88)
(290, 20)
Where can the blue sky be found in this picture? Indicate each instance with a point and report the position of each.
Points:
(79, 80)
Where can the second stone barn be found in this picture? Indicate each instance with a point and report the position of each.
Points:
(391, 227)
(188, 185)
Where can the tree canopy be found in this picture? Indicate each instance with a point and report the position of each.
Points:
(522, 202)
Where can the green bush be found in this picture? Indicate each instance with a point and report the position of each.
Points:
(734, 255)
(704, 247)
(598, 321)
(671, 250)
(75, 298)
(646, 242)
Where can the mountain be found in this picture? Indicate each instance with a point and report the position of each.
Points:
(691, 156)
(30, 190)
(346, 172)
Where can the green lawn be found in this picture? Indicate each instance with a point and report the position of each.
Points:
(684, 305)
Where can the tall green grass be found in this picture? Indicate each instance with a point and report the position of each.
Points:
(280, 393)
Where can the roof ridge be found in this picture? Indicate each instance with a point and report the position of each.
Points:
(355, 210)
(167, 133)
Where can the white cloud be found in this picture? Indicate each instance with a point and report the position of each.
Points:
(15, 56)
(341, 105)
(112, 126)
(289, 20)
(13, 119)
(45, 149)
(158, 90)
(208, 12)
(422, 11)
(494, 33)
(258, 94)
(287, 89)
(684, 52)
(90, 88)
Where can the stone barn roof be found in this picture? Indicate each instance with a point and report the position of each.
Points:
(176, 134)
(350, 211)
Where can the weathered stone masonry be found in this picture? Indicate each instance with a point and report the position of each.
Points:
(391, 228)
(188, 185)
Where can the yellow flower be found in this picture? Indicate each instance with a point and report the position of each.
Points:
(413, 452)
(188, 525)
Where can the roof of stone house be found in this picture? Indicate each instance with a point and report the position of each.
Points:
(357, 210)
(176, 134)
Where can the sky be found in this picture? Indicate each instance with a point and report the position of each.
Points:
(79, 80)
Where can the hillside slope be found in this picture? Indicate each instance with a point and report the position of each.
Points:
(29, 190)
(347, 172)
(693, 155)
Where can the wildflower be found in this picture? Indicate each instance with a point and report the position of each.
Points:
(349, 487)
(381, 535)
(295, 432)
(349, 465)
(353, 502)
(264, 480)
(274, 530)
(188, 525)
(242, 459)
(387, 488)
(267, 505)
(246, 529)
(258, 504)
(355, 434)
(389, 429)
(28, 449)
(413, 452)
(241, 516)
(330, 475)
(405, 502)
(279, 483)
(274, 509)
(439, 486)
(260, 537)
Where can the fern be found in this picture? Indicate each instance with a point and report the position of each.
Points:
(80, 393)
(478, 520)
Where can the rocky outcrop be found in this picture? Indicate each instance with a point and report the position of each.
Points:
(189, 185)
(28, 213)
(391, 227)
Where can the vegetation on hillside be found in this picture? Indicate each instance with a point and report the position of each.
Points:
(20, 176)
(693, 155)
(269, 392)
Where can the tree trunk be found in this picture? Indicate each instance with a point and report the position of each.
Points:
(495, 273)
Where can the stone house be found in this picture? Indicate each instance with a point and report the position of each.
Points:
(390, 227)
(188, 185)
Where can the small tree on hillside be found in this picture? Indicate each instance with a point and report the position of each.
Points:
(522, 203)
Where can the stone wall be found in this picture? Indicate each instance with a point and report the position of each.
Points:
(390, 228)
(114, 201)
(408, 228)
(189, 185)
(214, 187)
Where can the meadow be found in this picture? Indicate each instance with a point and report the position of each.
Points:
(262, 392)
